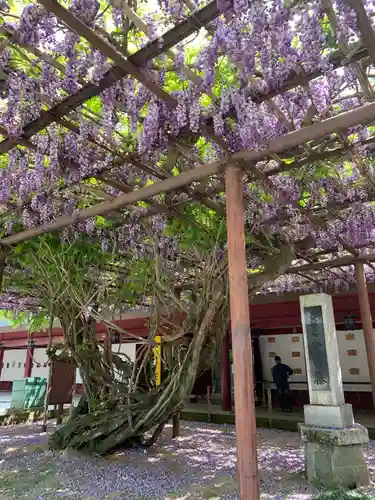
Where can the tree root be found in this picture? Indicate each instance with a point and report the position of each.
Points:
(131, 414)
(103, 431)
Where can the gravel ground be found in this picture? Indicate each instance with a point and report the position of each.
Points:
(200, 464)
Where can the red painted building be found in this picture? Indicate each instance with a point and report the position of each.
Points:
(22, 355)
(276, 329)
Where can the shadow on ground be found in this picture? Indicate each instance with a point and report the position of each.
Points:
(199, 464)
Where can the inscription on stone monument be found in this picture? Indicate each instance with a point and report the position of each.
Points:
(317, 348)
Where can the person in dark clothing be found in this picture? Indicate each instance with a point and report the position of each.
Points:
(280, 375)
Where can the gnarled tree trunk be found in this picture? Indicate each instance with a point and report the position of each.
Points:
(122, 411)
(127, 412)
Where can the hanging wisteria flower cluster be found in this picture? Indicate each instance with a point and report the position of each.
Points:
(77, 129)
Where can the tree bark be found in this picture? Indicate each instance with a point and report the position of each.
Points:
(105, 420)
(121, 411)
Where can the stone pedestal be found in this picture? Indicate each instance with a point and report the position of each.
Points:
(338, 417)
(333, 442)
(335, 457)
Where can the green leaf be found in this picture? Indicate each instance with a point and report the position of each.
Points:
(95, 105)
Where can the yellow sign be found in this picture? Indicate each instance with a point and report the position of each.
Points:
(157, 354)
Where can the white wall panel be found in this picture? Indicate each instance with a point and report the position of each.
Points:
(290, 349)
(352, 353)
(78, 377)
(40, 360)
(126, 348)
(353, 357)
(13, 365)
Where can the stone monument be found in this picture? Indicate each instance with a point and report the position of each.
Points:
(333, 442)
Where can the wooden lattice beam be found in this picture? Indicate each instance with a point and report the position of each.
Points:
(153, 49)
(142, 26)
(364, 114)
(108, 50)
(364, 25)
(121, 158)
(156, 208)
(326, 264)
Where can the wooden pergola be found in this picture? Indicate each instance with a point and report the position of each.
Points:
(315, 142)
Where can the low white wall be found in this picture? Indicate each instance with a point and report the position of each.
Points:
(14, 361)
(128, 349)
(40, 360)
(289, 347)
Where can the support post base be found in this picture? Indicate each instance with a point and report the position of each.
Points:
(339, 416)
(335, 457)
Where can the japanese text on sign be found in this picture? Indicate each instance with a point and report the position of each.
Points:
(317, 348)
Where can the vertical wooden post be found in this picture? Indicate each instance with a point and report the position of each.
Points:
(176, 425)
(368, 330)
(60, 409)
(176, 428)
(226, 390)
(108, 347)
(2, 349)
(29, 362)
(247, 468)
(269, 406)
(2, 268)
(46, 399)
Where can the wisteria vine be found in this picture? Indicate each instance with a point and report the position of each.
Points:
(258, 71)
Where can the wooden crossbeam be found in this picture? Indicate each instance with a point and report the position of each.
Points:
(314, 266)
(364, 25)
(108, 50)
(153, 49)
(156, 208)
(142, 26)
(327, 264)
(361, 115)
(134, 159)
